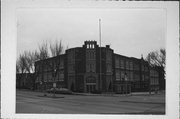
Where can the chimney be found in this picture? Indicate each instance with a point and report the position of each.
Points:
(107, 46)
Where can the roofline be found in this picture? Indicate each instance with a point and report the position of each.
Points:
(73, 48)
(134, 58)
(122, 55)
(50, 57)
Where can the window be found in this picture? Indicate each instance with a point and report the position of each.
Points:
(152, 81)
(71, 78)
(71, 56)
(131, 76)
(122, 64)
(87, 54)
(90, 67)
(48, 76)
(87, 45)
(136, 77)
(117, 75)
(146, 68)
(87, 68)
(92, 55)
(61, 66)
(142, 77)
(156, 74)
(108, 68)
(117, 62)
(90, 46)
(44, 77)
(61, 75)
(131, 65)
(146, 77)
(122, 75)
(142, 67)
(157, 81)
(136, 67)
(93, 68)
(37, 79)
(40, 77)
(108, 78)
(127, 76)
(71, 68)
(108, 55)
(127, 64)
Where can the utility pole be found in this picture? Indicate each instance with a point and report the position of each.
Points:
(100, 53)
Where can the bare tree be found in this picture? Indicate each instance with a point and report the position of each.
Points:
(37, 55)
(157, 58)
(67, 47)
(31, 58)
(17, 66)
(41, 55)
(26, 61)
(56, 48)
(43, 51)
(21, 64)
(21, 67)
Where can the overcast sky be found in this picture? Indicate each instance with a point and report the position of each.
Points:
(130, 32)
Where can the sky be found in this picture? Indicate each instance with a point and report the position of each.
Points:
(129, 32)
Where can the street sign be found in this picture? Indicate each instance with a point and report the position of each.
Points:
(125, 77)
(54, 85)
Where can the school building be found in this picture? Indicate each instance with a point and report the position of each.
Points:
(96, 69)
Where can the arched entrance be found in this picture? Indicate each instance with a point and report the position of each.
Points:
(90, 84)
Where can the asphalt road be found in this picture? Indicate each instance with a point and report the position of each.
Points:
(34, 102)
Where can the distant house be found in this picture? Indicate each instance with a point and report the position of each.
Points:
(79, 70)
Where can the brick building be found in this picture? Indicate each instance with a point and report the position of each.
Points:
(79, 70)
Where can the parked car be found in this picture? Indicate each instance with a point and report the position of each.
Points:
(59, 91)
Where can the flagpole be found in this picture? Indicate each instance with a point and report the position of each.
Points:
(100, 52)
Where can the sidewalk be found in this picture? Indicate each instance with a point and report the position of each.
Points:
(117, 95)
(102, 94)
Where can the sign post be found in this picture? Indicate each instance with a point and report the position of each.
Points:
(54, 83)
(41, 86)
(125, 78)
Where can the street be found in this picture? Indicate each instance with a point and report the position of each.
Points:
(35, 102)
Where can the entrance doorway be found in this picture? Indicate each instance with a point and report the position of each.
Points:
(90, 84)
(72, 87)
(90, 88)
